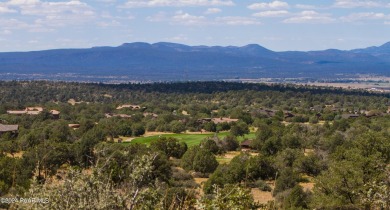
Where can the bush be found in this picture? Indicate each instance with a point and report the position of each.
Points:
(205, 162)
(262, 185)
(179, 174)
(286, 180)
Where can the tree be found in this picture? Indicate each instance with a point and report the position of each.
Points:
(97, 191)
(296, 199)
(171, 147)
(84, 149)
(204, 162)
(224, 126)
(229, 197)
(240, 129)
(177, 127)
(210, 126)
(311, 164)
(210, 145)
(286, 180)
(232, 173)
(138, 129)
(230, 143)
(188, 158)
(124, 128)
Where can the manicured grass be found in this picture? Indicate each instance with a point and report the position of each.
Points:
(189, 139)
(222, 160)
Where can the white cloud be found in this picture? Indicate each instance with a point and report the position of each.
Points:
(107, 1)
(4, 9)
(159, 17)
(357, 3)
(305, 6)
(187, 19)
(272, 13)
(237, 20)
(23, 2)
(54, 14)
(11, 24)
(176, 3)
(105, 24)
(271, 5)
(310, 17)
(364, 16)
(5, 32)
(212, 11)
(50, 8)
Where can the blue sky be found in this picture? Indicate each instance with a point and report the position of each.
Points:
(278, 25)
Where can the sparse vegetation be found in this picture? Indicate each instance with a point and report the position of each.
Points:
(274, 139)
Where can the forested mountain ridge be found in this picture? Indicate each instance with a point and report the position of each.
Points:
(171, 62)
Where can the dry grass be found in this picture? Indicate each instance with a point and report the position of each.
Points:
(198, 132)
(201, 181)
(261, 196)
(154, 133)
(15, 155)
(307, 186)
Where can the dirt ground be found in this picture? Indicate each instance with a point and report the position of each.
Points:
(261, 196)
(16, 155)
(154, 133)
(307, 186)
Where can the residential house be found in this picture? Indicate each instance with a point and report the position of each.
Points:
(130, 106)
(74, 126)
(349, 116)
(109, 115)
(29, 111)
(246, 145)
(55, 114)
(13, 129)
(153, 115)
(223, 120)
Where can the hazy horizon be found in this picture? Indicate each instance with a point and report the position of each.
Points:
(30, 25)
(152, 43)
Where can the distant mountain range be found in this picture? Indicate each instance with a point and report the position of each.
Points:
(170, 61)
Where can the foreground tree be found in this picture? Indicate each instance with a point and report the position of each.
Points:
(82, 190)
(228, 197)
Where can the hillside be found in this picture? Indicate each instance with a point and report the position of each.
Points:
(170, 61)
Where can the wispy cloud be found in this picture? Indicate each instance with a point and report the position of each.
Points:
(271, 5)
(212, 11)
(364, 16)
(178, 38)
(184, 18)
(5, 32)
(305, 6)
(5, 9)
(158, 17)
(176, 3)
(272, 13)
(237, 20)
(54, 14)
(357, 3)
(310, 17)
